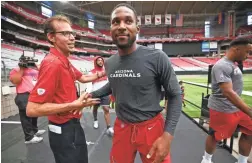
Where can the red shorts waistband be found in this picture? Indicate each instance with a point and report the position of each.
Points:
(159, 116)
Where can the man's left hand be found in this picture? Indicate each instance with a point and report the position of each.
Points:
(161, 147)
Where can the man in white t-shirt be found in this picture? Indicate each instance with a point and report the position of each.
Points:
(105, 101)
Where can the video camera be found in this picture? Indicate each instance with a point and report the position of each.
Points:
(27, 59)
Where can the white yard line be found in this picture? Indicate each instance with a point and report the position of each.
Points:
(11, 122)
(96, 143)
(200, 62)
(247, 93)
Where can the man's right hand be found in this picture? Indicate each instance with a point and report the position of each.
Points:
(22, 65)
(85, 100)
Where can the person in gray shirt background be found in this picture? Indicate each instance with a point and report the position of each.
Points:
(136, 74)
(227, 109)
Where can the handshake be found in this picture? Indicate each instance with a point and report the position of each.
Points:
(83, 101)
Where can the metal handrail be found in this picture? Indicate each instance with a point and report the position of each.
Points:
(224, 142)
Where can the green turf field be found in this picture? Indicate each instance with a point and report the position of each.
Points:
(194, 93)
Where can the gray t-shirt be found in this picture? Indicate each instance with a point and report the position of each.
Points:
(224, 71)
(135, 80)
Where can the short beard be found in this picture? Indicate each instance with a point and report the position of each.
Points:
(125, 46)
(99, 65)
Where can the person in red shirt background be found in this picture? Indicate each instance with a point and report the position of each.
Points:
(97, 84)
(182, 92)
(55, 96)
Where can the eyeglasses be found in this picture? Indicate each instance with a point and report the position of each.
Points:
(67, 33)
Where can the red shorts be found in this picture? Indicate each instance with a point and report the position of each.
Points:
(130, 138)
(225, 124)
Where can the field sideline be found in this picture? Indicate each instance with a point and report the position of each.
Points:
(194, 93)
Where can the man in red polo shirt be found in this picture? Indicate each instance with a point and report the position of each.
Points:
(54, 95)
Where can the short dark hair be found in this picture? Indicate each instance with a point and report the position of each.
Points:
(240, 41)
(125, 5)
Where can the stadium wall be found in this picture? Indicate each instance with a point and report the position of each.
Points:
(29, 5)
(99, 24)
(8, 106)
(218, 30)
(203, 72)
(174, 49)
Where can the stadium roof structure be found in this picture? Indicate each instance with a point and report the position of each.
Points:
(190, 9)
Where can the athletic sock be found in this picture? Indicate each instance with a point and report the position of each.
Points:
(208, 156)
(108, 126)
(242, 159)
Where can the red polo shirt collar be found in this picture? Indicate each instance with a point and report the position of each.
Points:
(61, 56)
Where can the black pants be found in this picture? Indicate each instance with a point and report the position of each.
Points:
(69, 146)
(29, 124)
